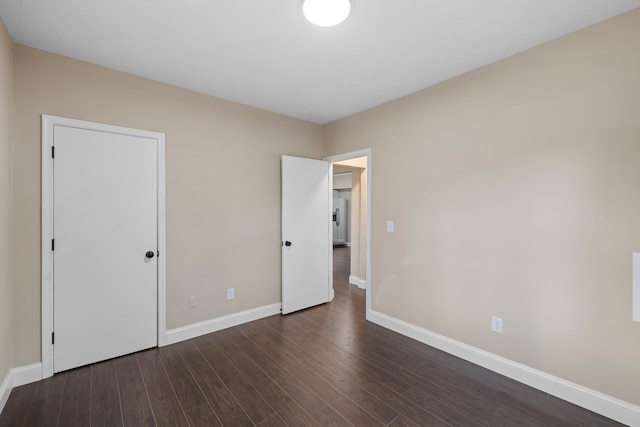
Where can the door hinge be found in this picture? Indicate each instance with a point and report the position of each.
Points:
(53, 152)
(53, 245)
(53, 341)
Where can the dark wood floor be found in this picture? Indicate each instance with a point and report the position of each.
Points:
(322, 366)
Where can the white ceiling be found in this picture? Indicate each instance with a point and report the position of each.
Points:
(263, 53)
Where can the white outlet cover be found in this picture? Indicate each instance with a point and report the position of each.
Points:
(230, 293)
(496, 324)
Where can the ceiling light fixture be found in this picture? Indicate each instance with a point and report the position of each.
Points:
(326, 13)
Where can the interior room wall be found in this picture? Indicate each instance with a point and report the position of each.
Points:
(358, 218)
(221, 233)
(358, 215)
(6, 285)
(514, 191)
(354, 268)
(362, 259)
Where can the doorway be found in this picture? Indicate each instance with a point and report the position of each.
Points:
(358, 165)
(342, 206)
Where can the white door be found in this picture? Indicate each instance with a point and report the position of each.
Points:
(306, 233)
(105, 227)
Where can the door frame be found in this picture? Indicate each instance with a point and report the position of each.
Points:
(48, 123)
(346, 156)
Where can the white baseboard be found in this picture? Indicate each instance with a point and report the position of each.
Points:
(5, 389)
(31, 373)
(27, 374)
(202, 328)
(358, 282)
(592, 400)
(17, 377)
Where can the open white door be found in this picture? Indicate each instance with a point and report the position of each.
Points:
(306, 235)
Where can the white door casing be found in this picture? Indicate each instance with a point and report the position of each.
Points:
(103, 202)
(306, 221)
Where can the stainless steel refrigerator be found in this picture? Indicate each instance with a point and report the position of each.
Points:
(340, 221)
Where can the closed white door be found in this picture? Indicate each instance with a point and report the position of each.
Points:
(105, 227)
(306, 233)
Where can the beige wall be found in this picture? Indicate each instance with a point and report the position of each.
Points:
(515, 191)
(362, 252)
(221, 233)
(356, 195)
(359, 223)
(6, 102)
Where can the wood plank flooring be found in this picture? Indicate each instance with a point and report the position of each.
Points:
(322, 366)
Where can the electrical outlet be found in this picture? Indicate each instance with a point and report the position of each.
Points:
(390, 226)
(230, 293)
(496, 324)
(192, 302)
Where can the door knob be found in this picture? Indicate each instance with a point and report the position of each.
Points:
(149, 254)
(287, 243)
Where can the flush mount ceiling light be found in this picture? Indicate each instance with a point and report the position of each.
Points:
(326, 13)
